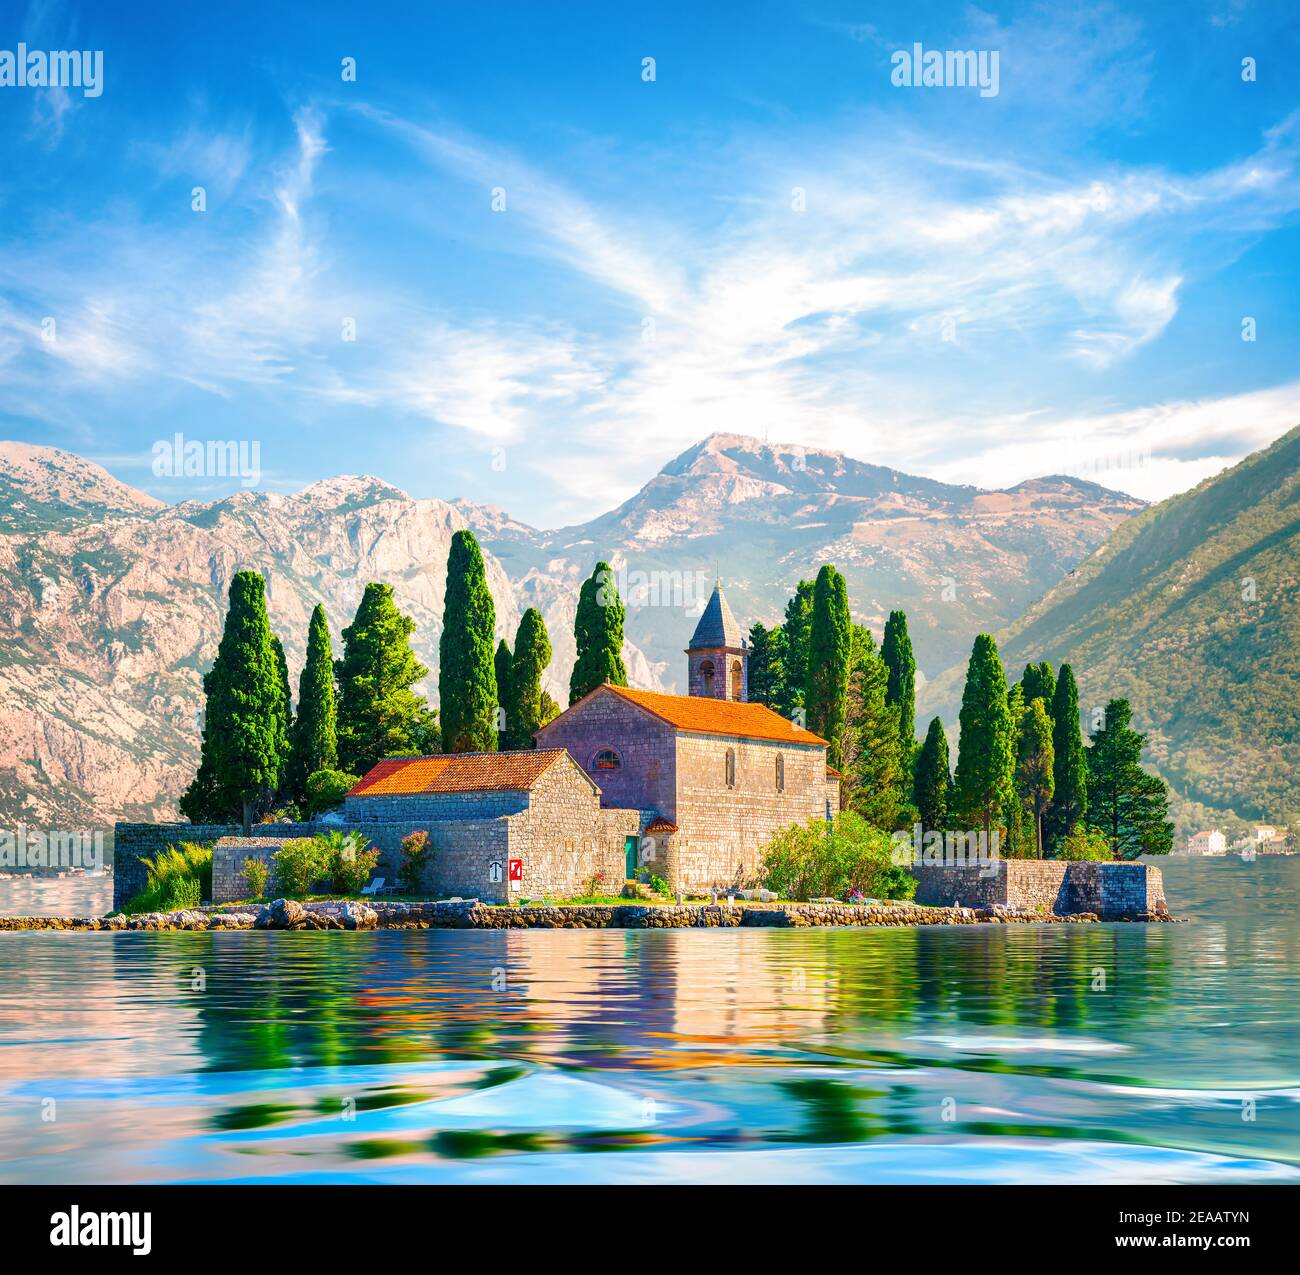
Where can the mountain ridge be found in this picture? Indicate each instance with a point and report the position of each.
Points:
(111, 603)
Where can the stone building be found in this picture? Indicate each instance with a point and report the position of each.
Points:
(711, 775)
(526, 823)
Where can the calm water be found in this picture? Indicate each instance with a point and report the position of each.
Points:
(1019, 1053)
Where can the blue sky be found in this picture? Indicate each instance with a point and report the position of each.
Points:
(977, 288)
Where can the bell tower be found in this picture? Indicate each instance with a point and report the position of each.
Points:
(718, 656)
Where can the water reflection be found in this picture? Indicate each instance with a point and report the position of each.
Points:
(971, 1053)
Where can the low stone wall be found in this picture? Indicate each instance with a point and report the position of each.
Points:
(1110, 890)
(286, 914)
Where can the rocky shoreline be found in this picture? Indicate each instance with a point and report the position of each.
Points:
(286, 914)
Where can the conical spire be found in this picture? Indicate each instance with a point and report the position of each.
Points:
(717, 626)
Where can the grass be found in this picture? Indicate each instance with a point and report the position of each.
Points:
(178, 877)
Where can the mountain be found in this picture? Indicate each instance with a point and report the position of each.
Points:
(957, 559)
(111, 603)
(43, 488)
(1191, 610)
(109, 625)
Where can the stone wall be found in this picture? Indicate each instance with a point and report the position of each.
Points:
(645, 746)
(133, 842)
(722, 829)
(434, 806)
(1046, 885)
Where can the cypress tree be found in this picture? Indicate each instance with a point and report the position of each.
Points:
(896, 651)
(598, 632)
(467, 679)
(1039, 682)
(1069, 769)
(874, 769)
(501, 666)
(982, 783)
(378, 712)
(1034, 765)
(1128, 805)
(315, 728)
(795, 634)
(765, 648)
(242, 750)
(933, 780)
(829, 653)
(284, 717)
(525, 707)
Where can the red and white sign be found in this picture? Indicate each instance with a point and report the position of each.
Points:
(516, 869)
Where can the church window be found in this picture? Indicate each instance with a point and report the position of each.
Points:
(780, 773)
(607, 759)
(706, 675)
(731, 768)
(737, 681)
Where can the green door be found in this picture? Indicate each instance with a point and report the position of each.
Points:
(629, 853)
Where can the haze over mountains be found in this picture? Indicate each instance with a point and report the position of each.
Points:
(111, 604)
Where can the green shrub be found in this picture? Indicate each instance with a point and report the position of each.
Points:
(816, 859)
(1085, 843)
(178, 877)
(299, 863)
(416, 852)
(256, 875)
(658, 884)
(326, 789)
(350, 858)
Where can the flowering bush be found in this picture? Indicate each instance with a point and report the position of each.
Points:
(416, 852)
(351, 860)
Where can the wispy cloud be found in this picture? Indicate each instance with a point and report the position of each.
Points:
(872, 284)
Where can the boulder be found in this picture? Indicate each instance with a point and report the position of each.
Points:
(357, 916)
(282, 914)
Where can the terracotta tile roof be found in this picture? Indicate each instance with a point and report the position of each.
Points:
(456, 772)
(700, 716)
(832, 773)
(661, 825)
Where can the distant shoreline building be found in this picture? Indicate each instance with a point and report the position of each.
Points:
(1208, 842)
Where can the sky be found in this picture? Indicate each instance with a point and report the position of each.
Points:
(490, 251)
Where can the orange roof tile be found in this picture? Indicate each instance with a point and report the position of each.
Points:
(456, 772)
(700, 716)
(660, 824)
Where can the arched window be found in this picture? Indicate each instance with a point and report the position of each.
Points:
(780, 773)
(737, 681)
(606, 759)
(731, 768)
(706, 675)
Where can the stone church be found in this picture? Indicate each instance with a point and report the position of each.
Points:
(689, 786)
(712, 775)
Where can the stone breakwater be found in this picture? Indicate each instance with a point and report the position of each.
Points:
(286, 914)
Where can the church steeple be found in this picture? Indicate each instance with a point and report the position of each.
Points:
(718, 656)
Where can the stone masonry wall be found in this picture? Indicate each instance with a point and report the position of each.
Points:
(1049, 885)
(133, 842)
(434, 806)
(565, 838)
(722, 830)
(228, 855)
(645, 781)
